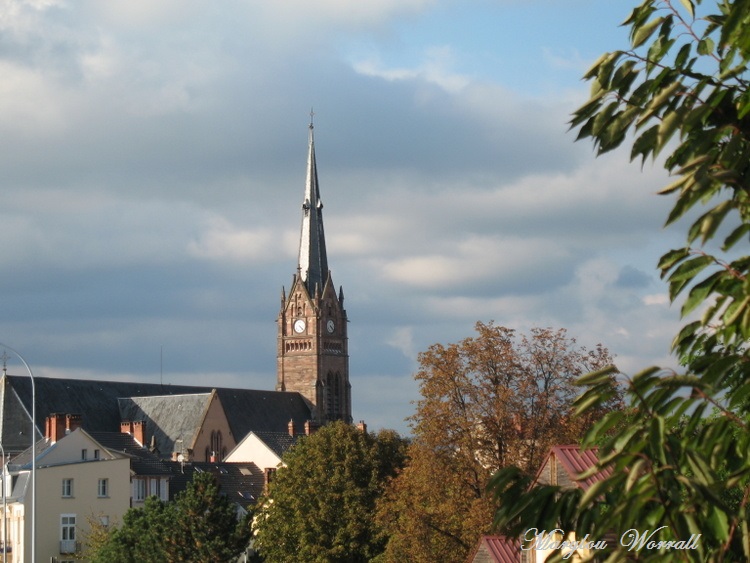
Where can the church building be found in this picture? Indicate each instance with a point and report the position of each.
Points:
(313, 355)
(204, 423)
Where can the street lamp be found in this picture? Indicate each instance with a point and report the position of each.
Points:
(33, 452)
(5, 510)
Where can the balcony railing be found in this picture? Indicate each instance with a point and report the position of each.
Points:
(69, 546)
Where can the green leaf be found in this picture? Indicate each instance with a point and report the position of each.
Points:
(592, 493)
(599, 376)
(635, 472)
(672, 257)
(594, 68)
(642, 34)
(699, 293)
(691, 268)
(689, 7)
(706, 225)
(656, 439)
(668, 126)
(682, 55)
(705, 46)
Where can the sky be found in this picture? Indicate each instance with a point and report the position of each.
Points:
(152, 164)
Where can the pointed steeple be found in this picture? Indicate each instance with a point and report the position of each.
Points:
(313, 263)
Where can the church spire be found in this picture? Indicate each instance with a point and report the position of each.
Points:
(313, 263)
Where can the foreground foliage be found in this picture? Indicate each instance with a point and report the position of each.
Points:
(489, 401)
(320, 507)
(200, 526)
(682, 89)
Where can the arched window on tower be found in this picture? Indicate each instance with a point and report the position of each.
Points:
(337, 395)
(333, 395)
(329, 396)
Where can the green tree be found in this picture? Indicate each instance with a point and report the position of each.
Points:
(681, 93)
(489, 401)
(320, 506)
(200, 526)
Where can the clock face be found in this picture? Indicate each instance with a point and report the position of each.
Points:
(299, 325)
(330, 326)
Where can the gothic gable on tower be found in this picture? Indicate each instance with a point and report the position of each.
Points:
(312, 354)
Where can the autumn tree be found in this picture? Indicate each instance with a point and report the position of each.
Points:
(680, 92)
(492, 400)
(201, 525)
(321, 505)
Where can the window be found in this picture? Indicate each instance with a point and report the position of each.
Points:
(96, 454)
(67, 488)
(102, 489)
(216, 447)
(155, 487)
(139, 489)
(104, 520)
(84, 454)
(67, 533)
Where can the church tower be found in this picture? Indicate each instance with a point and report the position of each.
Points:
(312, 347)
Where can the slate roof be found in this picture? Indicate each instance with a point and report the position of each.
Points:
(142, 461)
(15, 428)
(270, 410)
(169, 418)
(496, 549)
(241, 482)
(97, 402)
(23, 459)
(279, 442)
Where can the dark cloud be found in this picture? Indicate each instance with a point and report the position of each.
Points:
(153, 160)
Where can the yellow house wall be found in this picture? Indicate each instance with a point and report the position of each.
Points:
(84, 503)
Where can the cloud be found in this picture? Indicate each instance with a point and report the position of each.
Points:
(153, 160)
(223, 241)
(435, 69)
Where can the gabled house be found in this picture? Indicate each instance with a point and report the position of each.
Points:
(266, 449)
(77, 479)
(496, 549)
(562, 467)
(149, 475)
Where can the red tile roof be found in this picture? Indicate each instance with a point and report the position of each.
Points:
(499, 549)
(575, 461)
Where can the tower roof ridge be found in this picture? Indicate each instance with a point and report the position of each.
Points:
(313, 261)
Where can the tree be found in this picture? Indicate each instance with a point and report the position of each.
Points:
(200, 526)
(320, 506)
(489, 401)
(682, 88)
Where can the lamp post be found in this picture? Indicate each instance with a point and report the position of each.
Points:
(33, 452)
(5, 511)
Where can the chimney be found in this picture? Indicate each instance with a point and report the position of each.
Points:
(72, 422)
(362, 427)
(310, 427)
(126, 427)
(54, 427)
(139, 431)
(290, 427)
(268, 475)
